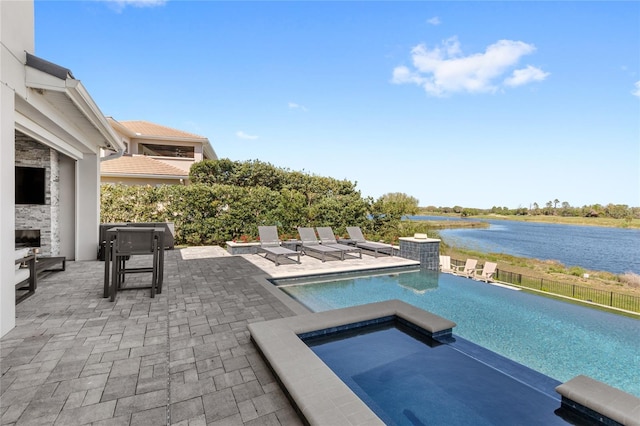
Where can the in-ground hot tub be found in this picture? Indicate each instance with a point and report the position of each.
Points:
(415, 346)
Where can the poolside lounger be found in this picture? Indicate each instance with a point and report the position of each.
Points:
(468, 269)
(355, 234)
(310, 244)
(270, 245)
(328, 239)
(488, 270)
(445, 264)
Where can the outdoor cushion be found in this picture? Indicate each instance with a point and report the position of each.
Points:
(20, 253)
(22, 274)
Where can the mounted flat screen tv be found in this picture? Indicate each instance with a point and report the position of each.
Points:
(30, 185)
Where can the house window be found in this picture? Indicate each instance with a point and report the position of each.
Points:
(167, 150)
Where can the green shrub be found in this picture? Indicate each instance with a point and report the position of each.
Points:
(211, 214)
(576, 271)
(230, 199)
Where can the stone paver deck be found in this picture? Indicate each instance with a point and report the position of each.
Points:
(182, 358)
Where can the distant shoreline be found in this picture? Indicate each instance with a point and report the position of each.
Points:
(605, 222)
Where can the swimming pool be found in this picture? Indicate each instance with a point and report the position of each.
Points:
(558, 339)
(410, 379)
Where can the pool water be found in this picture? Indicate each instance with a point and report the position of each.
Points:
(558, 339)
(410, 379)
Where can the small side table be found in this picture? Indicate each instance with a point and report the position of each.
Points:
(295, 245)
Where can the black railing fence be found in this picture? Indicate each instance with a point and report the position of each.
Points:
(602, 297)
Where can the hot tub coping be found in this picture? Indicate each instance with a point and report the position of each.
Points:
(320, 396)
(596, 400)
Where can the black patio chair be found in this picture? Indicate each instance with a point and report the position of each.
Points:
(131, 242)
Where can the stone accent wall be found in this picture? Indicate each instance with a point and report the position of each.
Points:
(426, 252)
(31, 153)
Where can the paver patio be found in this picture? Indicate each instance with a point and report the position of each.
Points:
(182, 358)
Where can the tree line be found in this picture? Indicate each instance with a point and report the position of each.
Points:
(551, 208)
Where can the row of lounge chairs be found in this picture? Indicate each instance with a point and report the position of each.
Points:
(321, 245)
(469, 269)
(327, 245)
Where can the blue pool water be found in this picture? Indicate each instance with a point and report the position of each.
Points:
(558, 339)
(410, 379)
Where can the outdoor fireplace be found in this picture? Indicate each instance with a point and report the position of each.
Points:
(27, 238)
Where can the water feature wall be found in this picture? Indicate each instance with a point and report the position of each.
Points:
(424, 250)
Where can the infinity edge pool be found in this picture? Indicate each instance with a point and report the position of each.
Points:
(330, 401)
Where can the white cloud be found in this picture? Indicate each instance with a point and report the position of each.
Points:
(434, 21)
(525, 76)
(242, 135)
(119, 5)
(636, 92)
(444, 69)
(403, 74)
(293, 105)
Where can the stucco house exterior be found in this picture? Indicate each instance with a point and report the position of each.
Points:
(49, 127)
(154, 154)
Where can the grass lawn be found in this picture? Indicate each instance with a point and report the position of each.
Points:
(553, 270)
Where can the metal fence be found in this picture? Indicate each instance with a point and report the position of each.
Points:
(602, 297)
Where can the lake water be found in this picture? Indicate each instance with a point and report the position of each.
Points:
(615, 250)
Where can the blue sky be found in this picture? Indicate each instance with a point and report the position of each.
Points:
(477, 104)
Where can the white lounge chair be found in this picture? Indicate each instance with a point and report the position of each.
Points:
(328, 239)
(468, 269)
(488, 270)
(270, 245)
(355, 234)
(445, 264)
(310, 244)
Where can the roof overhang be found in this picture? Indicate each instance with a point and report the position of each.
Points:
(208, 151)
(59, 112)
(144, 176)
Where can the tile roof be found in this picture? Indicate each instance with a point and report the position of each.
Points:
(128, 165)
(145, 128)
